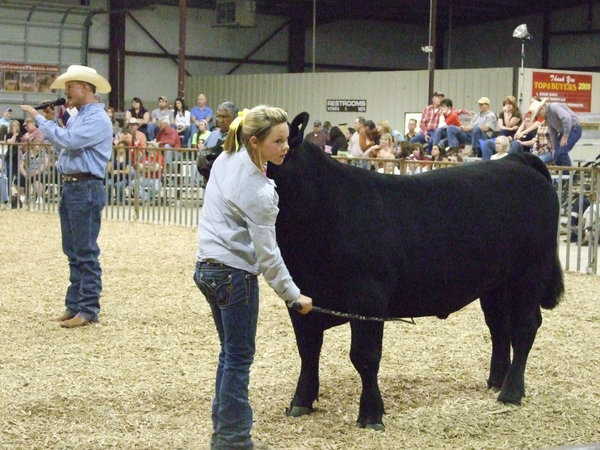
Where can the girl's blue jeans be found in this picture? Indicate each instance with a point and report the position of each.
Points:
(233, 298)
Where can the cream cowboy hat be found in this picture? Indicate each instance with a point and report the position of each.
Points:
(535, 107)
(82, 73)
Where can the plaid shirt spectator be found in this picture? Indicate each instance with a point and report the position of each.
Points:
(543, 143)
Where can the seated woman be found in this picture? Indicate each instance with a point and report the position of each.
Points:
(438, 153)
(501, 145)
(137, 111)
(182, 118)
(418, 154)
(509, 120)
(383, 150)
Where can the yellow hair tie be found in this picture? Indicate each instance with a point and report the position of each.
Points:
(239, 120)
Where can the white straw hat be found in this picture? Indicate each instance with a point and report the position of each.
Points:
(82, 73)
(535, 107)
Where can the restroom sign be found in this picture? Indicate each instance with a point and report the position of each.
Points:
(346, 106)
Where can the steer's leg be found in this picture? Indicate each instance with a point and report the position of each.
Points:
(497, 317)
(365, 354)
(309, 339)
(526, 318)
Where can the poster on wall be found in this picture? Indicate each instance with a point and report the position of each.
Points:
(573, 89)
(24, 77)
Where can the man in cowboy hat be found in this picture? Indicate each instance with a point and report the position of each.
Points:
(563, 125)
(85, 149)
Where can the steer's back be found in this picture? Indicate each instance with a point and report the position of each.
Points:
(412, 245)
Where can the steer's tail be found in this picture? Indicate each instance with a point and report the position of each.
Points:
(530, 160)
(555, 288)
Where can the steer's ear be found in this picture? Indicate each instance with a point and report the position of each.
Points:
(297, 128)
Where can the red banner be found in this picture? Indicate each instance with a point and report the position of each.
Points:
(575, 90)
(25, 77)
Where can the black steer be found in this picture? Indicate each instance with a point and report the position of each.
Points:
(352, 240)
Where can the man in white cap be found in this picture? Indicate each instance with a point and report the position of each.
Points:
(563, 125)
(85, 149)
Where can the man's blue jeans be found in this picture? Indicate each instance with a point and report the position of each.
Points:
(561, 154)
(233, 298)
(80, 212)
(456, 136)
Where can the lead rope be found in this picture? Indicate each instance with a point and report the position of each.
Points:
(331, 312)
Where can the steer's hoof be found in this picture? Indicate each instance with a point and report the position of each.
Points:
(297, 411)
(510, 398)
(371, 426)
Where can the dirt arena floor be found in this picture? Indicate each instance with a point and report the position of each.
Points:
(143, 377)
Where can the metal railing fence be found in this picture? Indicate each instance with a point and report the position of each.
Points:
(163, 186)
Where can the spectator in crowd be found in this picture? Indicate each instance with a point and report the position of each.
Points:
(32, 165)
(201, 112)
(588, 220)
(167, 137)
(481, 128)
(412, 130)
(337, 141)
(384, 150)
(430, 120)
(118, 173)
(563, 125)
(383, 126)
(137, 111)
(526, 141)
(326, 127)
(12, 156)
(397, 138)
(509, 118)
(182, 121)
(162, 111)
(138, 138)
(115, 124)
(199, 139)
(542, 146)
(5, 122)
(64, 113)
(317, 136)
(32, 132)
(418, 154)
(501, 145)
(151, 172)
(368, 136)
(438, 153)
(4, 198)
(450, 118)
(226, 113)
(353, 143)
